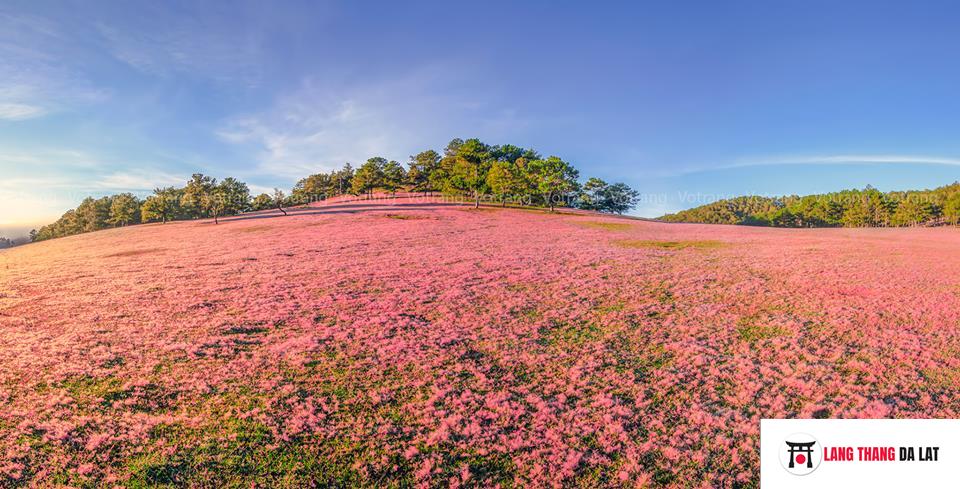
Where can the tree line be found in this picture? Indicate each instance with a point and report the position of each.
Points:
(868, 207)
(202, 196)
(506, 173)
(10, 243)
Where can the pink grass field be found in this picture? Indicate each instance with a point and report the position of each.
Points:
(411, 343)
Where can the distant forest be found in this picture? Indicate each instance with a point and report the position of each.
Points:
(849, 208)
(466, 168)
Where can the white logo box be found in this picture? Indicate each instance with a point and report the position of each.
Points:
(873, 453)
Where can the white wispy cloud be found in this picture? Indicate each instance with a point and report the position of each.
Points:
(141, 180)
(324, 124)
(18, 112)
(35, 74)
(39, 159)
(186, 45)
(848, 159)
(837, 159)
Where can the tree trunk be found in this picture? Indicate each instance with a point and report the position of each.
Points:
(476, 195)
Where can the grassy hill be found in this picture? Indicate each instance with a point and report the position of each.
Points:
(415, 341)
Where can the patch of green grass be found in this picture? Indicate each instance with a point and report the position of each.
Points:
(253, 229)
(517, 287)
(598, 475)
(403, 217)
(751, 330)
(489, 470)
(941, 377)
(668, 245)
(239, 453)
(145, 251)
(94, 392)
(662, 293)
(113, 362)
(642, 358)
(528, 313)
(85, 387)
(482, 208)
(610, 307)
(245, 330)
(569, 333)
(608, 226)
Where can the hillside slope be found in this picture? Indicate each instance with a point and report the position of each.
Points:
(413, 341)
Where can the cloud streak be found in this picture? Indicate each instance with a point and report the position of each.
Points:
(857, 159)
(19, 112)
(322, 125)
(186, 46)
(36, 77)
(839, 159)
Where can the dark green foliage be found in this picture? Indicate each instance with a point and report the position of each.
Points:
(951, 208)
(394, 176)
(261, 202)
(555, 179)
(849, 208)
(124, 209)
(91, 215)
(598, 195)
(422, 167)
(197, 188)
(369, 177)
(467, 168)
(510, 173)
(322, 186)
(740, 210)
(235, 195)
(202, 196)
(163, 205)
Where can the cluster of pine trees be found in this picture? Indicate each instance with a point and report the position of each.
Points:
(849, 208)
(505, 173)
(202, 196)
(471, 168)
(93, 214)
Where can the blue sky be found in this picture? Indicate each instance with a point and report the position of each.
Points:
(685, 101)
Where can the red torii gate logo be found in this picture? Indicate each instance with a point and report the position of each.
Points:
(800, 454)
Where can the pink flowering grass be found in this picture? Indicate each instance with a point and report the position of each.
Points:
(411, 343)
